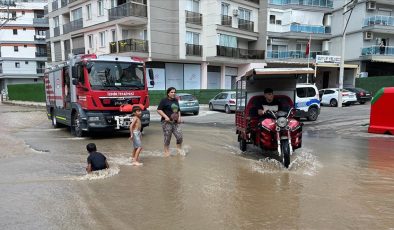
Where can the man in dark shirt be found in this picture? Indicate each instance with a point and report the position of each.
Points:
(96, 160)
(269, 103)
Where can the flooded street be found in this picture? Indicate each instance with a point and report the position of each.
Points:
(342, 178)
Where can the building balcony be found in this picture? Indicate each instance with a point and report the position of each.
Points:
(41, 54)
(293, 54)
(55, 5)
(40, 37)
(56, 31)
(193, 50)
(127, 10)
(245, 25)
(379, 23)
(42, 21)
(193, 18)
(129, 45)
(310, 29)
(40, 70)
(312, 3)
(78, 51)
(73, 26)
(226, 20)
(377, 50)
(224, 51)
(63, 3)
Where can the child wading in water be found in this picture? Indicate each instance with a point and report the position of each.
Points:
(135, 137)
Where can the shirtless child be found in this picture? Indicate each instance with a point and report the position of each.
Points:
(135, 137)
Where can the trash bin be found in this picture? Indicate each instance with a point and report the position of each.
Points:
(382, 110)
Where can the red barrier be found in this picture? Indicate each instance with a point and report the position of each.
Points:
(382, 112)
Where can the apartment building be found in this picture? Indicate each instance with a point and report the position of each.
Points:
(369, 37)
(190, 44)
(23, 51)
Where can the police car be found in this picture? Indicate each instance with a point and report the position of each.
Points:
(307, 101)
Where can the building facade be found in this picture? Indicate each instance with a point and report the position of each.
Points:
(190, 44)
(23, 51)
(369, 36)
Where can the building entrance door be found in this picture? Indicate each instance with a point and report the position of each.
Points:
(326, 79)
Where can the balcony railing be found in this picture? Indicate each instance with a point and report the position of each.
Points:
(40, 70)
(41, 54)
(379, 21)
(63, 3)
(293, 54)
(129, 45)
(193, 18)
(313, 3)
(226, 20)
(72, 26)
(40, 21)
(55, 5)
(56, 31)
(378, 50)
(225, 51)
(40, 37)
(127, 10)
(193, 50)
(245, 25)
(310, 29)
(78, 51)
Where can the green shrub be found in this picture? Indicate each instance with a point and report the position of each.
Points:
(373, 84)
(26, 92)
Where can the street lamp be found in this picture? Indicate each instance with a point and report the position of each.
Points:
(346, 8)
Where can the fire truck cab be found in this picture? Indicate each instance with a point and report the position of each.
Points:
(88, 91)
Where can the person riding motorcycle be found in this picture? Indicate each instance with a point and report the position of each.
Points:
(269, 103)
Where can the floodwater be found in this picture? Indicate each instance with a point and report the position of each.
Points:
(334, 182)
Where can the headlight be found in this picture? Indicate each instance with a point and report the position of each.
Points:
(94, 118)
(281, 122)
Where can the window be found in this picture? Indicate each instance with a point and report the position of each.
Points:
(26, 62)
(100, 6)
(279, 22)
(272, 19)
(13, 14)
(15, 31)
(25, 46)
(90, 41)
(192, 38)
(23, 12)
(301, 92)
(113, 33)
(113, 3)
(89, 11)
(228, 41)
(16, 48)
(102, 39)
(311, 92)
(244, 14)
(193, 6)
(24, 29)
(76, 14)
(329, 91)
(225, 8)
(56, 21)
(17, 65)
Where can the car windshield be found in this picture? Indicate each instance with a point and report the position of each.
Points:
(115, 75)
(187, 98)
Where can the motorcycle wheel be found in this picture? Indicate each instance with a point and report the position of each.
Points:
(242, 144)
(284, 146)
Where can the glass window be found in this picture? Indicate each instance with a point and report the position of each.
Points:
(76, 14)
(17, 65)
(301, 92)
(193, 6)
(244, 14)
(329, 91)
(102, 39)
(272, 19)
(16, 48)
(113, 3)
(228, 41)
(224, 96)
(56, 21)
(225, 8)
(192, 38)
(15, 31)
(89, 11)
(311, 92)
(90, 41)
(113, 33)
(100, 6)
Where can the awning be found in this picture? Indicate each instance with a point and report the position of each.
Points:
(334, 65)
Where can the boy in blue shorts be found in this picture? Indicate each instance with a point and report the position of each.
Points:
(135, 136)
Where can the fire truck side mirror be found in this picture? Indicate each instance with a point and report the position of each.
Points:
(74, 72)
(152, 83)
(151, 76)
(75, 81)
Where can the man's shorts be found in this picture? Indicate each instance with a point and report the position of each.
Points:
(137, 139)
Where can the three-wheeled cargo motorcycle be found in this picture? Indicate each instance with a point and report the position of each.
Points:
(279, 131)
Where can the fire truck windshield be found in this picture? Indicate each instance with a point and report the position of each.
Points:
(115, 75)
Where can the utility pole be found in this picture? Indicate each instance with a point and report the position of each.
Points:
(346, 8)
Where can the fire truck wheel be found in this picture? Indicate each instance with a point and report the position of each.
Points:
(76, 126)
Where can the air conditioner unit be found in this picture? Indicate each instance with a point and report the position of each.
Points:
(235, 12)
(368, 35)
(371, 5)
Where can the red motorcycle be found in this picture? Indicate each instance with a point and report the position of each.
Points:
(281, 133)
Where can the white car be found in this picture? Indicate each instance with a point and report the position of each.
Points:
(329, 97)
(307, 101)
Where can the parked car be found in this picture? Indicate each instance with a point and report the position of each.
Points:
(329, 97)
(361, 94)
(307, 101)
(223, 101)
(188, 103)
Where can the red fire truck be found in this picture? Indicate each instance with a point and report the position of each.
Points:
(88, 92)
